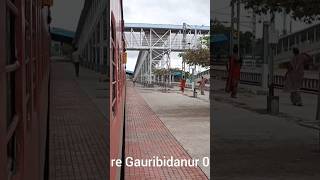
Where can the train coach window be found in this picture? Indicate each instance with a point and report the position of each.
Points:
(11, 59)
(11, 67)
(105, 26)
(113, 68)
(119, 70)
(105, 58)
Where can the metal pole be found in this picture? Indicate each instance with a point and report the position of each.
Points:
(264, 78)
(150, 67)
(254, 32)
(284, 31)
(232, 28)
(238, 25)
(318, 110)
(184, 41)
(271, 88)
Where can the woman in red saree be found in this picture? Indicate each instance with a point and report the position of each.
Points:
(182, 84)
(233, 67)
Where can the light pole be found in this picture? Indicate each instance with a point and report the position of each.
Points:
(238, 25)
(232, 28)
(272, 100)
(184, 41)
(318, 110)
(254, 32)
(264, 78)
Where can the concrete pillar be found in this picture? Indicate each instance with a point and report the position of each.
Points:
(150, 66)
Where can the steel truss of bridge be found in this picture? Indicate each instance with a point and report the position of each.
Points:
(155, 42)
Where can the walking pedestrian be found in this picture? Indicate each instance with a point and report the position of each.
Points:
(202, 84)
(182, 84)
(76, 59)
(295, 74)
(233, 68)
(134, 82)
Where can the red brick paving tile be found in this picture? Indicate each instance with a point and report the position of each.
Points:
(77, 148)
(146, 136)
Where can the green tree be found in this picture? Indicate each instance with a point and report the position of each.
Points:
(163, 72)
(223, 49)
(305, 10)
(199, 56)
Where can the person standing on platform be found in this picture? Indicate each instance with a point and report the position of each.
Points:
(134, 82)
(233, 68)
(182, 84)
(76, 60)
(202, 84)
(295, 74)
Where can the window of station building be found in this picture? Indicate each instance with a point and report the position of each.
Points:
(303, 36)
(98, 33)
(318, 33)
(285, 44)
(311, 35)
(88, 52)
(105, 26)
(279, 47)
(296, 37)
(317, 59)
(291, 42)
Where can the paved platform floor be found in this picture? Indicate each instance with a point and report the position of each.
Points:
(253, 145)
(248, 99)
(147, 136)
(187, 118)
(78, 149)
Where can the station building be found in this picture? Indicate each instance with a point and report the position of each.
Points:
(91, 35)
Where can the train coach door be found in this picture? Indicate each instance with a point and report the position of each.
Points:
(114, 122)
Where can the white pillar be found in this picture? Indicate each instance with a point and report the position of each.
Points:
(150, 67)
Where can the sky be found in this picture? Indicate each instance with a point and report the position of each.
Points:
(221, 11)
(66, 13)
(193, 12)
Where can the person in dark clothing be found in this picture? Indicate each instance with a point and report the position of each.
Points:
(76, 59)
(295, 75)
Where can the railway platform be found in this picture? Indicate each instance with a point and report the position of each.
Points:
(249, 98)
(252, 144)
(78, 148)
(153, 130)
